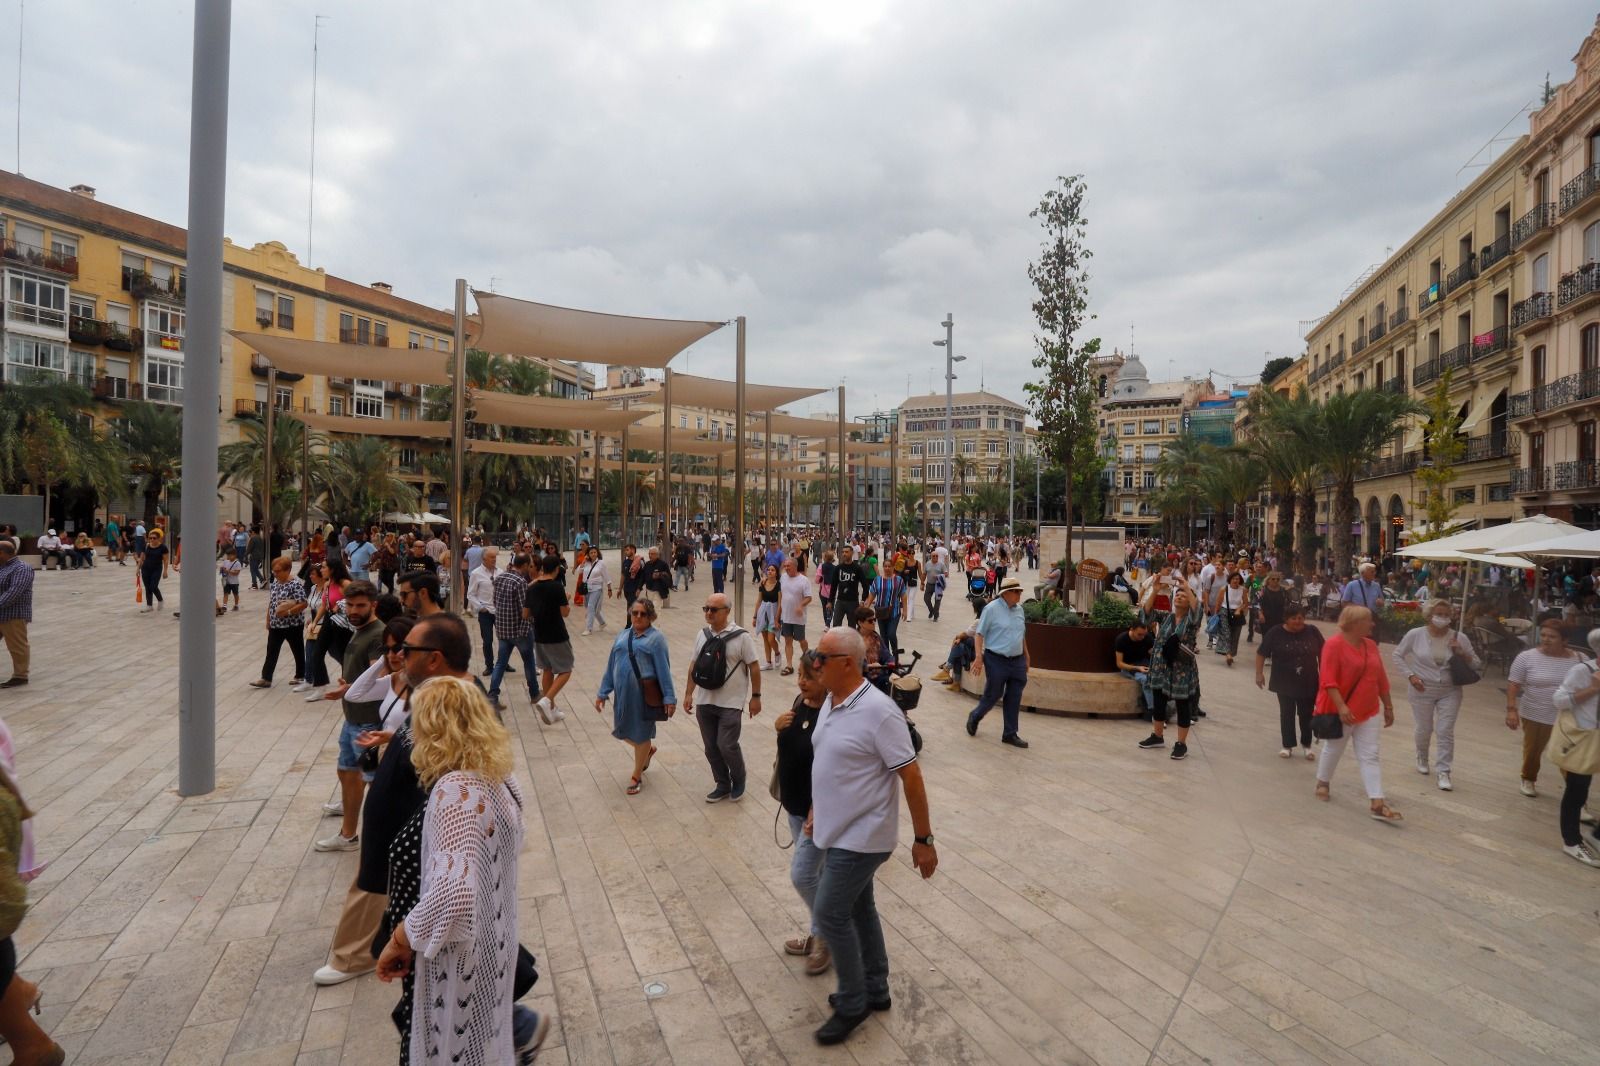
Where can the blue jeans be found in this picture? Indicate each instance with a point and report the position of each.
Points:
(524, 646)
(889, 630)
(1143, 678)
(1003, 676)
(846, 917)
(805, 867)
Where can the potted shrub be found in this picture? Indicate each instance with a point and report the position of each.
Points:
(1059, 638)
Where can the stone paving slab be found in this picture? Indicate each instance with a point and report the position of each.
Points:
(1094, 903)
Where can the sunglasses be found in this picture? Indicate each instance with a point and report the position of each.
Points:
(713, 610)
(639, 614)
(407, 649)
(817, 658)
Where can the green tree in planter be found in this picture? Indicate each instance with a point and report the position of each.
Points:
(1065, 398)
(46, 457)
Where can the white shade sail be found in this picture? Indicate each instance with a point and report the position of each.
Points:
(545, 412)
(693, 391)
(522, 327)
(797, 426)
(507, 447)
(412, 366)
(427, 429)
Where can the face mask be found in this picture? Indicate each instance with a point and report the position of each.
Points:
(1439, 621)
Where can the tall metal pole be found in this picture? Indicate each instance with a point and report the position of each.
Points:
(458, 440)
(270, 424)
(894, 472)
(665, 506)
(949, 324)
(622, 488)
(766, 493)
(305, 483)
(736, 546)
(1011, 496)
(594, 534)
(208, 158)
(844, 532)
(716, 498)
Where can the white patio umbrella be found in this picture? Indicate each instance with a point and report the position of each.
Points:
(1585, 545)
(1510, 535)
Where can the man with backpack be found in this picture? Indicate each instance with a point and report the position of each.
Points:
(721, 667)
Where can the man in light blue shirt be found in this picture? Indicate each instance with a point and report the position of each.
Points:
(1364, 591)
(359, 554)
(1001, 659)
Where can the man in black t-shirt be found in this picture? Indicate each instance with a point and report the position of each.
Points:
(852, 579)
(418, 559)
(546, 600)
(1133, 659)
(657, 577)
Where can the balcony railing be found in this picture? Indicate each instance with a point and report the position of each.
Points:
(39, 259)
(87, 331)
(1530, 479)
(1493, 253)
(164, 394)
(1542, 217)
(259, 367)
(1396, 385)
(1375, 334)
(1358, 345)
(1391, 464)
(1494, 446)
(1539, 306)
(145, 286)
(1578, 474)
(1575, 192)
(122, 339)
(338, 383)
(109, 388)
(1584, 385)
(1487, 344)
(1423, 373)
(360, 336)
(1336, 362)
(1461, 274)
(1430, 297)
(1580, 283)
(1401, 316)
(1456, 358)
(249, 408)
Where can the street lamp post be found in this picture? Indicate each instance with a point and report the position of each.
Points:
(950, 361)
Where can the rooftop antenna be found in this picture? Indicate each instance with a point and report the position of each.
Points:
(22, 7)
(311, 182)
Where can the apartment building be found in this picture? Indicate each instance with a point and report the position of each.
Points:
(985, 429)
(1138, 419)
(1556, 320)
(1439, 307)
(96, 293)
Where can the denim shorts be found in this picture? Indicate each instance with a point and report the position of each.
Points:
(349, 752)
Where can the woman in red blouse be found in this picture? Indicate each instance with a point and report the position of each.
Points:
(1353, 684)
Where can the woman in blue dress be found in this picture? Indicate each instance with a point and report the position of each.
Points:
(638, 657)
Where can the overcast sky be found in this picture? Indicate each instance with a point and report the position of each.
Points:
(842, 172)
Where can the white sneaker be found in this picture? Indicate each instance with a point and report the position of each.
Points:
(1585, 818)
(1444, 781)
(769, 666)
(1581, 852)
(338, 842)
(334, 809)
(313, 694)
(301, 687)
(327, 975)
(1528, 788)
(546, 710)
(1284, 753)
(1310, 755)
(588, 632)
(1422, 765)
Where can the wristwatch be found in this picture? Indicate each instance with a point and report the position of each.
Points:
(927, 840)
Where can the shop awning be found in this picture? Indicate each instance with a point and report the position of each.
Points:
(412, 366)
(522, 327)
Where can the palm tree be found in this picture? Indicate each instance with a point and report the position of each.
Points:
(1230, 479)
(1349, 431)
(1181, 464)
(362, 483)
(1283, 443)
(151, 436)
(907, 496)
(991, 501)
(244, 462)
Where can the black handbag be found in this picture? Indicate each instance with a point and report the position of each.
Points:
(1462, 673)
(1331, 726)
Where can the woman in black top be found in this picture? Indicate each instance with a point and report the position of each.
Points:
(849, 580)
(827, 578)
(1296, 653)
(765, 621)
(793, 773)
(1270, 603)
(910, 574)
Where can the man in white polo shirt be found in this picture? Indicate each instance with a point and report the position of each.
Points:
(861, 753)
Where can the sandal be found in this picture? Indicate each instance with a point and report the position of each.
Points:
(786, 671)
(1322, 792)
(1386, 814)
(634, 785)
(650, 758)
(261, 683)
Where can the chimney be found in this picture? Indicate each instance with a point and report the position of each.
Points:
(383, 286)
(85, 191)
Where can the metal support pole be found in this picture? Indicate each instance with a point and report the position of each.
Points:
(949, 324)
(894, 474)
(844, 530)
(208, 158)
(716, 498)
(594, 534)
(458, 440)
(665, 507)
(561, 509)
(305, 484)
(736, 547)
(622, 489)
(270, 426)
(577, 501)
(1011, 496)
(766, 494)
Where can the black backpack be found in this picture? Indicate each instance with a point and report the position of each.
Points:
(711, 665)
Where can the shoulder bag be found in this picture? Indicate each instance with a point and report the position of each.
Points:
(1574, 750)
(655, 701)
(1461, 671)
(1329, 726)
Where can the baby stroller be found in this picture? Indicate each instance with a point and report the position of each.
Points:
(905, 688)
(980, 590)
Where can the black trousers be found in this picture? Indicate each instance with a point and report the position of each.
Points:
(1572, 801)
(1292, 710)
(1185, 708)
(277, 637)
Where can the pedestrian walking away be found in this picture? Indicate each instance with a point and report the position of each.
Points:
(1002, 661)
(722, 668)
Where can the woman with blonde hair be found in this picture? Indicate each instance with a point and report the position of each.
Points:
(1353, 683)
(464, 920)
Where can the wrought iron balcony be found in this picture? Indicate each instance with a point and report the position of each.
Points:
(1433, 296)
(1423, 373)
(1461, 274)
(1584, 281)
(1530, 479)
(1357, 345)
(1376, 333)
(1391, 464)
(39, 259)
(1578, 474)
(1337, 361)
(361, 336)
(259, 367)
(1487, 344)
(86, 331)
(1401, 316)
(1494, 446)
(1536, 308)
(1577, 191)
(1317, 375)
(121, 339)
(1456, 358)
(1584, 385)
(1396, 385)
(1542, 217)
(145, 286)
(1494, 253)
(110, 388)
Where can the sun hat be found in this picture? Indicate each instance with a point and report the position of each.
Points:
(1010, 584)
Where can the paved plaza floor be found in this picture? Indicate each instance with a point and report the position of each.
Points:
(1094, 903)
